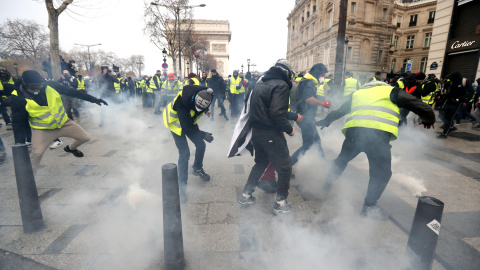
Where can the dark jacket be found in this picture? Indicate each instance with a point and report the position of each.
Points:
(105, 83)
(217, 84)
(70, 81)
(399, 97)
(456, 92)
(269, 102)
(184, 105)
(20, 114)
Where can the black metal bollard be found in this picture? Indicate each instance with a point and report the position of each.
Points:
(172, 219)
(423, 237)
(31, 212)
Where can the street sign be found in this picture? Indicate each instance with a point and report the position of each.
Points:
(409, 65)
(165, 65)
(434, 66)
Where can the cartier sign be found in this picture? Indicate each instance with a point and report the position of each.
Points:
(463, 44)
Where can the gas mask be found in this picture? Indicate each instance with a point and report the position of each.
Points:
(34, 88)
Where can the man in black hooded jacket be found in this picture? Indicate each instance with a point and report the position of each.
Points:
(268, 119)
(307, 107)
(218, 86)
(459, 91)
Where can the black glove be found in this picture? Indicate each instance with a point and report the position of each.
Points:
(323, 123)
(239, 87)
(208, 137)
(100, 101)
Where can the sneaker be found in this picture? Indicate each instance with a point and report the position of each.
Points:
(474, 123)
(56, 144)
(203, 175)
(442, 136)
(246, 200)
(79, 119)
(453, 129)
(226, 117)
(10, 128)
(268, 186)
(278, 209)
(29, 144)
(374, 212)
(9, 124)
(75, 152)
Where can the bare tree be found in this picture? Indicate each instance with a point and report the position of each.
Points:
(24, 37)
(162, 23)
(138, 63)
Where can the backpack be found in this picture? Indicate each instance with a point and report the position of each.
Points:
(294, 95)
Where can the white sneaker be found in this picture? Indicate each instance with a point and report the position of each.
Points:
(56, 144)
(29, 144)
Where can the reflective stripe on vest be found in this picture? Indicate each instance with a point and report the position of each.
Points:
(195, 81)
(152, 82)
(400, 84)
(170, 117)
(81, 84)
(372, 108)
(52, 116)
(233, 85)
(350, 86)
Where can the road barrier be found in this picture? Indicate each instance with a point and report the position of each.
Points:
(172, 219)
(30, 210)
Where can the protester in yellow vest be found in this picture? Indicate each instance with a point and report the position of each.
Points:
(235, 99)
(37, 104)
(372, 124)
(350, 84)
(81, 83)
(181, 116)
(376, 77)
(192, 79)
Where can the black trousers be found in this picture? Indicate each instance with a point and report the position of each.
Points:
(3, 111)
(270, 147)
(449, 111)
(379, 161)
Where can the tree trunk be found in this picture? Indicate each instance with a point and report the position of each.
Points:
(174, 63)
(54, 44)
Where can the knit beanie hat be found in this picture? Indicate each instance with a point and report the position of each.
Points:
(191, 75)
(203, 99)
(32, 77)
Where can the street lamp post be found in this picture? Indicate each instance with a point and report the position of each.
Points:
(242, 68)
(346, 55)
(253, 67)
(248, 65)
(16, 68)
(177, 13)
(88, 50)
(188, 68)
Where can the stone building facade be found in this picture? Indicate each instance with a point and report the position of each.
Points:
(372, 32)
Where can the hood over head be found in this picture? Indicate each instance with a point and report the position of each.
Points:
(318, 69)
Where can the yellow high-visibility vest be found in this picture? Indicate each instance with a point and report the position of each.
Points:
(321, 87)
(52, 116)
(195, 81)
(233, 85)
(428, 98)
(81, 84)
(242, 89)
(170, 117)
(372, 108)
(350, 86)
(152, 82)
(400, 84)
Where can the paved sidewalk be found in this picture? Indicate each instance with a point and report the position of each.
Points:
(104, 211)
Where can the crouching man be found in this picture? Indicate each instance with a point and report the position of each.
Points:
(38, 103)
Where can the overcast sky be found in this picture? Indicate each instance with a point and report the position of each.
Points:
(259, 27)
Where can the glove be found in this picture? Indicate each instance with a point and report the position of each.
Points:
(208, 137)
(239, 87)
(323, 123)
(100, 101)
(327, 104)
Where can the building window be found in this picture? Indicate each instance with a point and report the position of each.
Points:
(413, 20)
(384, 14)
(349, 53)
(369, 12)
(392, 65)
(423, 64)
(404, 67)
(303, 19)
(366, 52)
(410, 41)
(395, 42)
(308, 14)
(303, 37)
(379, 56)
(353, 5)
(330, 19)
(326, 55)
(399, 21)
(314, 8)
(293, 28)
(431, 17)
(428, 40)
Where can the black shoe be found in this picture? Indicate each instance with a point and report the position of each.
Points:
(203, 175)
(246, 201)
(9, 124)
(278, 210)
(374, 212)
(442, 136)
(442, 126)
(226, 117)
(268, 186)
(452, 129)
(75, 152)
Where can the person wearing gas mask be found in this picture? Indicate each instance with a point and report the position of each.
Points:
(307, 107)
(373, 122)
(181, 116)
(38, 104)
(459, 91)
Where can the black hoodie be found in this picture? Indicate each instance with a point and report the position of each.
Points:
(269, 102)
(186, 104)
(456, 92)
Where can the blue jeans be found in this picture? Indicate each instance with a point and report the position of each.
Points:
(309, 137)
(463, 111)
(220, 104)
(184, 154)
